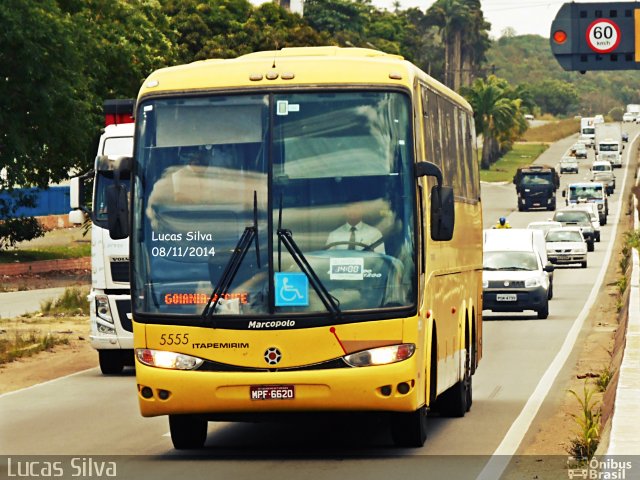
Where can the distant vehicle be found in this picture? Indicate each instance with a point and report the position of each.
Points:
(628, 117)
(516, 274)
(587, 131)
(625, 136)
(592, 210)
(529, 117)
(607, 179)
(608, 143)
(110, 302)
(566, 246)
(633, 109)
(544, 225)
(536, 187)
(579, 150)
(601, 166)
(594, 192)
(568, 165)
(598, 119)
(570, 217)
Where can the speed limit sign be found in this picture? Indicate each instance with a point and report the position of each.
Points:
(603, 35)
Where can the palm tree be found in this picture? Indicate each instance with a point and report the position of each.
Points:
(475, 42)
(496, 115)
(451, 17)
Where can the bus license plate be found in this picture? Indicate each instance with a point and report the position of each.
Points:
(272, 392)
(506, 297)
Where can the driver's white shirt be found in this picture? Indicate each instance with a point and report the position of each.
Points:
(364, 234)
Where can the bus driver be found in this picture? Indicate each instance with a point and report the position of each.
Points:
(355, 234)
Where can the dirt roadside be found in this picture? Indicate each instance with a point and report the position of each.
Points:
(62, 359)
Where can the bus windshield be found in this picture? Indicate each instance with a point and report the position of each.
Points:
(313, 191)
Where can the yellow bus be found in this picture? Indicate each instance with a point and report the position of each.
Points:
(306, 237)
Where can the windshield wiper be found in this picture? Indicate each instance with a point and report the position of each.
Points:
(286, 237)
(233, 265)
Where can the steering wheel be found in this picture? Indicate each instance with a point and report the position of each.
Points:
(368, 248)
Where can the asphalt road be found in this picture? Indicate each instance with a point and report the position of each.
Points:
(87, 415)
(14, 304)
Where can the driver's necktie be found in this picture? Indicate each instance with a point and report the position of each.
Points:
(352, 239)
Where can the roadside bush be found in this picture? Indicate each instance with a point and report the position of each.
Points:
(584, 445)
(72, 301)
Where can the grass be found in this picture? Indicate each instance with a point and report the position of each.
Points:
(26, 343)
(553, 131)
(521, 155)
(73, 301)
(584, 445)
(46, 253)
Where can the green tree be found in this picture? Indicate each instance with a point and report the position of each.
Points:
(451, 17)
(496, 113)
(555, 96)
(475, 43)
(44, 113)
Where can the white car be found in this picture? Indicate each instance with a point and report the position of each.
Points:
(568, 164)
(545, 226)
(515, 275)
(592, 210)
(628, 117)
(566, 245)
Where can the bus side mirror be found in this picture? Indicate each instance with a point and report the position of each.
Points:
(564, 193)
(118, 201)
(442, 213)
(442, 206)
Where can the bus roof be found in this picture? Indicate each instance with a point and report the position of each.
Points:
(294, 66)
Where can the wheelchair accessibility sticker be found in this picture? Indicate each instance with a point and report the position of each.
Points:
(292, 289)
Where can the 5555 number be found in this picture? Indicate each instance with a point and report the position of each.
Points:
(174, 339)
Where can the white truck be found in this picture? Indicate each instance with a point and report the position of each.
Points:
(633, 109)
(587, 131)
(608, 143)
(109, 299)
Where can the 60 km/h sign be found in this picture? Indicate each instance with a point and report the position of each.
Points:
(603, 35)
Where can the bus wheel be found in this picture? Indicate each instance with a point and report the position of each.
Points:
(409, 429)
(187, 432)
(111, 361)
(456, 401)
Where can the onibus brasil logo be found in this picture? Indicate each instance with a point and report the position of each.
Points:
(607, 469)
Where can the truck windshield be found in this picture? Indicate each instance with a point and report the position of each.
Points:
(587, 192)
(332, 171)
(608, 147)
(533, 179)
(103, 181)
(589, 131)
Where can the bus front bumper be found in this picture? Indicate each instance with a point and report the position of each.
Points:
(395, 387)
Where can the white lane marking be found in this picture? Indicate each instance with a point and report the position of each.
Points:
(502, 456)
(46, 383)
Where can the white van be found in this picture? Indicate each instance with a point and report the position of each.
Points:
(516, 273)
(602, 166)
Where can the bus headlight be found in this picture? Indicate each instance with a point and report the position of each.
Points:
(170, 360)
(381, 356)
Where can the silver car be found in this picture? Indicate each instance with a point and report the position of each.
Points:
(568, 164)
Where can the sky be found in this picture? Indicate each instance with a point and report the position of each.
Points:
(524, 16)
